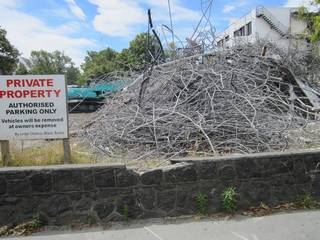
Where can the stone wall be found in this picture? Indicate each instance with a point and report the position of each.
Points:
(96, 193)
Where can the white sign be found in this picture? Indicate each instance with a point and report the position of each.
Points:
(33, 107)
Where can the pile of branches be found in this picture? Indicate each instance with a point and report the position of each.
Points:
(235, 100)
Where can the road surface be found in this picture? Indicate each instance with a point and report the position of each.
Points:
(286, 226)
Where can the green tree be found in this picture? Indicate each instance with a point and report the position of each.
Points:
(8, 54)
(134, 58)
(127, 60)
(97, 64)
(21, 69)
(73, 75)
(43, 62)
(313, 21)
(142, 50)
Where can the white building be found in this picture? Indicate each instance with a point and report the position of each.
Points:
(280, 25)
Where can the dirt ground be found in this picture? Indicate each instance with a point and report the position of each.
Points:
(78, 120)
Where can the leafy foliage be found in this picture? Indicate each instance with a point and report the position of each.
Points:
(73, 75)
(21, 69)
(133, 58)
(202, 203)
(36, 221)
(228, 198)
(142, 50)
(308, 202)
(313, 22)
(43, 62)
(97, 64)
(8, 54)
(125, 212)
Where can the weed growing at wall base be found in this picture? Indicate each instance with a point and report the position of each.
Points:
(202, 203)
(36, 221)
(125, 212)
(228, 198)
(308, 202)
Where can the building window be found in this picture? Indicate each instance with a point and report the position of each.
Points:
(249, 29)
(220, 43)
(227, 38)
(242, 31)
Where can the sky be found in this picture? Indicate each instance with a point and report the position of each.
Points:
(78, 26)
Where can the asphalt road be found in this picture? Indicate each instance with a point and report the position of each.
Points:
(286, 226)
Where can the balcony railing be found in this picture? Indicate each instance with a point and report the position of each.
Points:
(263, 12)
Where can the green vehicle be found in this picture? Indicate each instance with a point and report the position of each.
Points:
(90, 98)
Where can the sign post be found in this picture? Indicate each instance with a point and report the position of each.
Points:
(66, 151)
(5, 152)
(33, 107)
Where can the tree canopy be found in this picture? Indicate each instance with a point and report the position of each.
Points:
(8, 54)
(141, 51)
(133, 58)
(43, 62)
(22, 69)
(136, 55)
(313, 21)
(97, 64)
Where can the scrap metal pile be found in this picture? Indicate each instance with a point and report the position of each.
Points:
(242, 99)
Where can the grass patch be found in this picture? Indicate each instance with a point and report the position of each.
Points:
(47, 153)
(41, 153)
